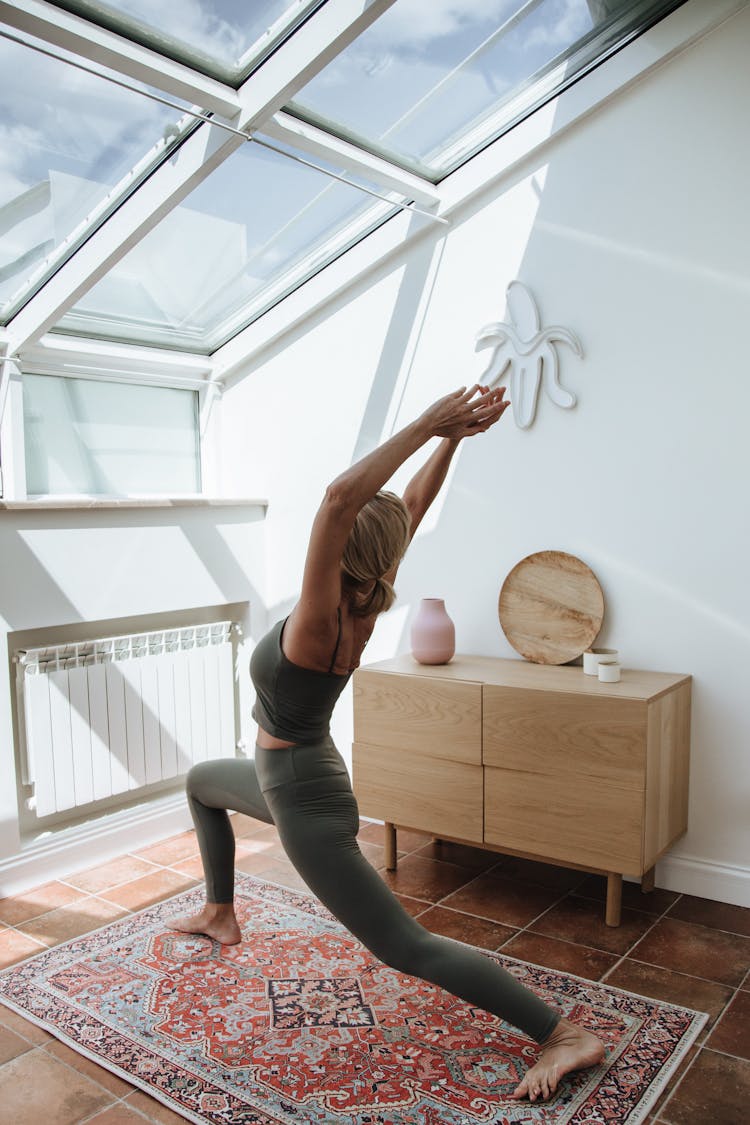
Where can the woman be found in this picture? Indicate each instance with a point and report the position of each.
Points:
(299, 781)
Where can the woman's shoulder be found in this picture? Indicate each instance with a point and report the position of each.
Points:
(309, 639)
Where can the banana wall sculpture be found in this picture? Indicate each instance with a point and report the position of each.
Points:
(531, 354)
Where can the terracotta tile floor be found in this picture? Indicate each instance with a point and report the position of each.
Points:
(673, 947)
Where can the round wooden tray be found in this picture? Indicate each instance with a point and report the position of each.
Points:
(551, 607)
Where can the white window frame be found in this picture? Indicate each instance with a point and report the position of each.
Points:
(102, 362)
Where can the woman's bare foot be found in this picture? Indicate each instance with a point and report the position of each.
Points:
(568, 1048)
(216, 920)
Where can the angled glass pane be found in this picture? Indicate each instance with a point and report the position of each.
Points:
(85, 437)
(428, 86)
(225, 39)
(71, 146)
(259, 226)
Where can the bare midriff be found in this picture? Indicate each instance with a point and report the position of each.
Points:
(267, 741)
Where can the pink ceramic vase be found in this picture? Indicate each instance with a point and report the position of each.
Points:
(433, 635)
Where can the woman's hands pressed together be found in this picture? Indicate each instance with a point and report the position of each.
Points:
(464, 413)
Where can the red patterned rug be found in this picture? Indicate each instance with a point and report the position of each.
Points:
(300, 1024)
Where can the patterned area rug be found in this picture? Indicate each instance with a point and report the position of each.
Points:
(300, 1024)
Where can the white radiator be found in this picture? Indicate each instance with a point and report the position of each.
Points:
(105, 717)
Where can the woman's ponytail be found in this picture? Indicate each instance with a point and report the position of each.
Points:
(376, 544)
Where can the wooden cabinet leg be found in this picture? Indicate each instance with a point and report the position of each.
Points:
(390, 846)
(614, 899)
(648, 880)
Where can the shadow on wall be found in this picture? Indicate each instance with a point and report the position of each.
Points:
(400, 344)
(31, 596)
(42, 607)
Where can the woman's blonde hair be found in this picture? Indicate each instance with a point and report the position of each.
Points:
(376, 543)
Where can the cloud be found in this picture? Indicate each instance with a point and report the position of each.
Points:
(193, 23)
(573, 22)
(57, 116)
(415, 24)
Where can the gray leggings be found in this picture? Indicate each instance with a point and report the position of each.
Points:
(305, 791)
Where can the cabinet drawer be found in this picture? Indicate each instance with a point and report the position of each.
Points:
(431, 794)
(436, 718)
(596, 824)
(555, 732)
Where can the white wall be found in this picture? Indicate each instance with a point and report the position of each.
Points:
(632, 229)
(68, 567)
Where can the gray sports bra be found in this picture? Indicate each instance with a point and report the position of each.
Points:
(293, 703)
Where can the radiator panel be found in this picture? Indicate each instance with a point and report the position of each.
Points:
(108, 717)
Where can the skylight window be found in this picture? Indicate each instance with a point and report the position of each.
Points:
(71, 144)
(403, 97)
(220, 38)
(429, 85)
(255, 229)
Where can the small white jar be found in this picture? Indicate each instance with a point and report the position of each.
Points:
(609, 671)
(592, 657)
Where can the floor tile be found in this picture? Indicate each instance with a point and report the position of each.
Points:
(23, 1027)
(268, 833)
(12, 1045)
(72, 921)
(119, 1114)
(655, 902)
(373, 853)
(562, 955)
(15, 947)
(429, 879)
(675, 988)
(718, 915)
(543, 874)
(581, 920)
(463, 855)
(259, 859)
(121, 870)
(170, 851)
(30, 904)
(508, 901)
(149, 889)
(36, 1088)
(714, 1091)
(111, 1082)
(407, 840)
(193, 867)
(415, 906)
(152, 1109)
(281, 871)
(247, 825)
(695, 950)
(732, 1032)
(465, 927)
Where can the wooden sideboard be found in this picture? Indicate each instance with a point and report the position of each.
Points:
(528, 759)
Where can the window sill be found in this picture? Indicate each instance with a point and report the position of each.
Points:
(84, 503)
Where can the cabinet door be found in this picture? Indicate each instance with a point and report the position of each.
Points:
(581, 821)
(427, 716)
(575, 734)
(430, 794)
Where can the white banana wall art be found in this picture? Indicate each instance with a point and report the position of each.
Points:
(530, 353)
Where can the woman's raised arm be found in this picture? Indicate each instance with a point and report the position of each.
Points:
(456, 415)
